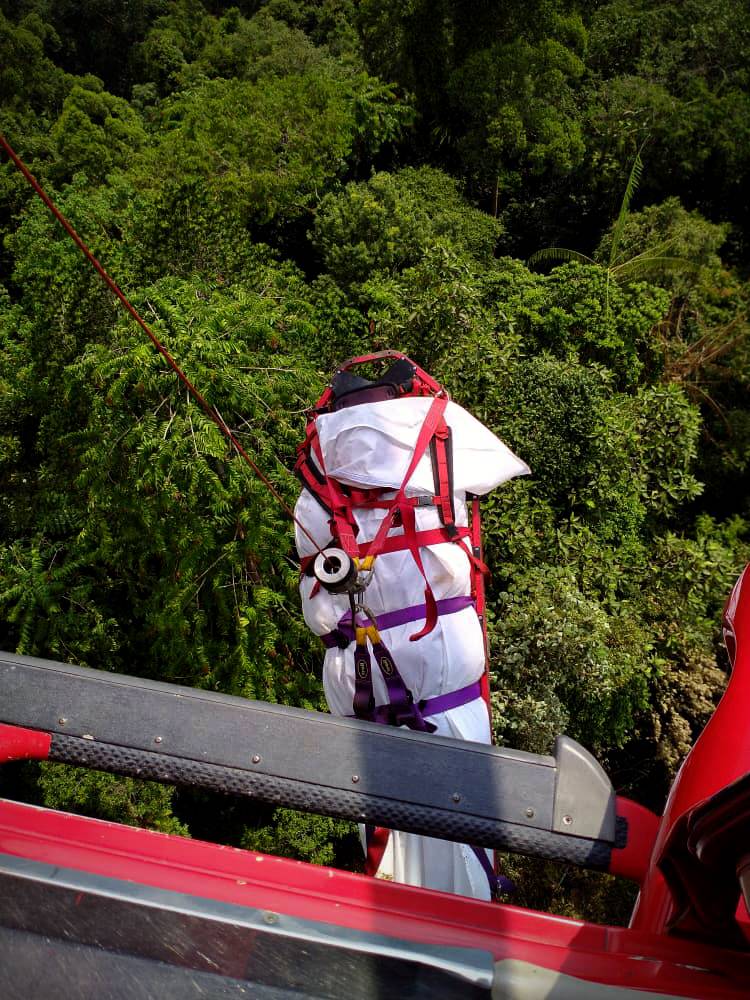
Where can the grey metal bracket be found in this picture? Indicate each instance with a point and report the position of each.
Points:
(559, 807)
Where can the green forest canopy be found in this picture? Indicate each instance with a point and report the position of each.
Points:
(280, 185)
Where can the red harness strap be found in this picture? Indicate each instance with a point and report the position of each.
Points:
(397, 543)
(308, 472)
(377, 841)
(329, 494)
(477, 592)
(442, 471)
(426, 433)
(340, 501)
(343, 523)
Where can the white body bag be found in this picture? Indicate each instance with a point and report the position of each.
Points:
(369, 447)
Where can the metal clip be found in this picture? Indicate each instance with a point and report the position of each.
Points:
(371, 629)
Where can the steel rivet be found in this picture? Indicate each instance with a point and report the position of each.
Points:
(355, 778)
(256, 758)
(62, 721)
(529, 812)
(456, 797)
(567, 820)
(271, 918)
(157, 739)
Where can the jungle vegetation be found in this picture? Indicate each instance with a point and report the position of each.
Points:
(279, 185)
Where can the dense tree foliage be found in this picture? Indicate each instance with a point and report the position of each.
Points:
(280, 185)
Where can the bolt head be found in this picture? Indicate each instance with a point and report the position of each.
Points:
(529, 813)
(567, 820)
(355, 779)
(456, 797)
(256, 758)
(157, 739)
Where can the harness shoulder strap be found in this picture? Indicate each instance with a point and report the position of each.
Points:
(441, 452)
(310, 468)
(340, 501)
(308, 472)
(406, 510)
(434, 415)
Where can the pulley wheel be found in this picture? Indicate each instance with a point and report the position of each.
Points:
(335, 570)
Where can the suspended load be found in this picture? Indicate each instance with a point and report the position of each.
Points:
(391, 470)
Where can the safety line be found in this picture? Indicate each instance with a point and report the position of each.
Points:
(115, 289)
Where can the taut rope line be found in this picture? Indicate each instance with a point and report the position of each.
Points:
(115, 289)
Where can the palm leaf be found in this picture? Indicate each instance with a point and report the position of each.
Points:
(559, 255)
(658, 250)
(633, 180)
(642, 265)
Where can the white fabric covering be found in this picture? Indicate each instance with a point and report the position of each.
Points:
(371, 445)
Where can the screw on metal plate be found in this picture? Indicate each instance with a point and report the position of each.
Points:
(255, 758)
(529, 813)
(567, 820)
(456, 797)
(157, 739)
(355, 779)
(270, 918)
(62, 720)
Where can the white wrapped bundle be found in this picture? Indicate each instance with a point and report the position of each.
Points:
(371, 445)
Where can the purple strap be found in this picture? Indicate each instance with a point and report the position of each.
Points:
(364, 701)
(400, 710)
(454, 699)
(498, 883)
(343, 634)
(432, 706)
(398, 694)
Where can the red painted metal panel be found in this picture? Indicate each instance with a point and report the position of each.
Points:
(632, 861)
(617, 956)
(720, 756)
(22, 744)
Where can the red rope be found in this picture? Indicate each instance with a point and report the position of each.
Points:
(115, 289)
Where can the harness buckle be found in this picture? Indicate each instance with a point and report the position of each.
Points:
(341, 639)
(410, 715)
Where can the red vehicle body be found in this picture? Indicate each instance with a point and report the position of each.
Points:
(678, 943)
